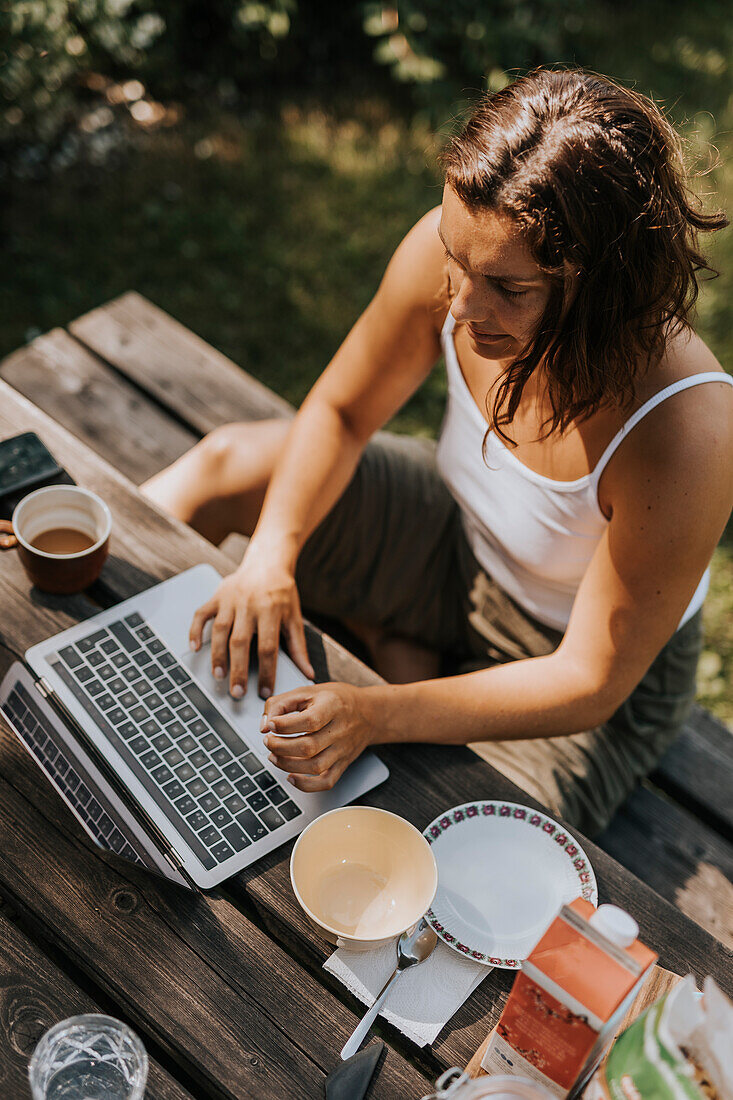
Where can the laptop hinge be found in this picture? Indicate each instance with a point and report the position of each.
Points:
(144, 820)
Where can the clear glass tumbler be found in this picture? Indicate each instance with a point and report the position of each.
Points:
(88, 1058)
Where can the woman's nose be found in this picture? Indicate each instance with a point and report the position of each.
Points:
(469, 303)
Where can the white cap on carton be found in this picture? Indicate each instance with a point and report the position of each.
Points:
(615, 924)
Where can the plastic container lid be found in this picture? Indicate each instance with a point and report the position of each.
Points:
(615, 924)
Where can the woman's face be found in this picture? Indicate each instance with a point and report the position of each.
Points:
(499, 291)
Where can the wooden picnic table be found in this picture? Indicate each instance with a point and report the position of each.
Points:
(226, 989)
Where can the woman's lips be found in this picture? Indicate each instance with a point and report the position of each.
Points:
(487, 337)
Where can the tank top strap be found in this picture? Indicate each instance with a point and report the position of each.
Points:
(448, 325)
(668, 391)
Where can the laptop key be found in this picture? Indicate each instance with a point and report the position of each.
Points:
(168, 688)
(131, 673)
(223, 788)
(119, 659)
(199, 758)
(88, 643)
(198, 821)
(187, 713)
(163, 715)
(233, 770)
(109, 646)
(95, 688)
(139, 713)
(135, 619)
(245, 785)
(198, 726)
(123, 635)
(162, 775)
(150, 759)
(175, 729)
(187, 744)
(118, 686)
(172, 757)
(289, 810)
(106, 702)
(152, 699)
(96, 658)
(251, 825)
(167, 660)
(221, 756)
(163, 741)
(257, 801)
(127, 730)
(277, 796)
(210, 836)
(174, 790)
(220, 817)
(144, 632)
(117, 716)
(105, 672)
(84, 674)
(235, 804)
(211, 773)
(251, 763)
(70, 657)
(197, 786)
(178, 675)
(210, 741)
(222, 851)
(272, 818)
(156, 646)
(141, 658)
(185, 805)
(264, 781)
(236, 837)
(185, 772)
(208, 802)
(150, 727)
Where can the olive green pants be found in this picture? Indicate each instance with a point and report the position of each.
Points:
(393, 553)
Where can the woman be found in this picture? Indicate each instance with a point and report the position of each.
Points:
(552, 552)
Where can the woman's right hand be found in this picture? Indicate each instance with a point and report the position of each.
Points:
(260, 598)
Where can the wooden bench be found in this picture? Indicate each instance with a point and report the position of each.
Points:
(140, 389)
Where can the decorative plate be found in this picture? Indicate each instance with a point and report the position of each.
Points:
(504, 870)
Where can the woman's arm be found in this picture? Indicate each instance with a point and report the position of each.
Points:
(669, 507)
(388, 353)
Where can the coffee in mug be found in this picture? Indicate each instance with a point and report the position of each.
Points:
(62, 536)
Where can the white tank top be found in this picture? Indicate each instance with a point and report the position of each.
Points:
(534, 536)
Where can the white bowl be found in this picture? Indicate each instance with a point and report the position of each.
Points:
(363, 876)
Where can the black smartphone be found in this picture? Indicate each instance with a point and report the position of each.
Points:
(26, 464)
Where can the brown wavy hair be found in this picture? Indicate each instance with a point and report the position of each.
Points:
(593, 175)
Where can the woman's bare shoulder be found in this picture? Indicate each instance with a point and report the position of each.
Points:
(417, 272)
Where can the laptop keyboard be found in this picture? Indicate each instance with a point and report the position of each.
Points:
(200, 772)
(68, 775)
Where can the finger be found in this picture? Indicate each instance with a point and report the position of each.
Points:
(199, 621)
(220, 632)
(297, 647)
(312, 783)
(309, 720)
(299, 748)
(268, 636)
(240, 642)
(287, 701)
(317, 765)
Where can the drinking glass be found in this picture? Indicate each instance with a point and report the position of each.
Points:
(88, 1058)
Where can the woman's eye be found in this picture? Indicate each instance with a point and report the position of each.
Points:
(512, 293)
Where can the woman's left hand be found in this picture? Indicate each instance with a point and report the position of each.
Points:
(335, 730)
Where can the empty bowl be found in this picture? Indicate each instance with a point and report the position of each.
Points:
(363, 876)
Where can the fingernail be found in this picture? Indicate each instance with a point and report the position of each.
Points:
(272, 758)
(265, 693)
(194, 645)
(291, 779)
(237, 691)
(266, 743)
(219, 673)
(263, 724)
(312, 672)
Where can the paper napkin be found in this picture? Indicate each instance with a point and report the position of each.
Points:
(424, 997)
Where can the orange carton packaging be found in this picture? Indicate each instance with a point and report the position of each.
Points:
(570, 998)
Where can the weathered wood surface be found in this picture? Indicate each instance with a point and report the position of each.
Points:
(678, 856)
(172, 365)
(97, 405)
(35, 995)
(698, 771)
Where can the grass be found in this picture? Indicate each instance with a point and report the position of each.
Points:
(267, 235)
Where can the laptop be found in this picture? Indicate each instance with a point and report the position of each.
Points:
(155, 759)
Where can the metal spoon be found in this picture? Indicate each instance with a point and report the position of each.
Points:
(414, 946)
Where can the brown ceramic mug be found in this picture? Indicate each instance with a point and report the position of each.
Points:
(62, 536)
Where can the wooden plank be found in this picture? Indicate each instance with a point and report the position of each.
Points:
(35, 995)
(698, 771)
(175, 367)
(97, 405)
(678, 856)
